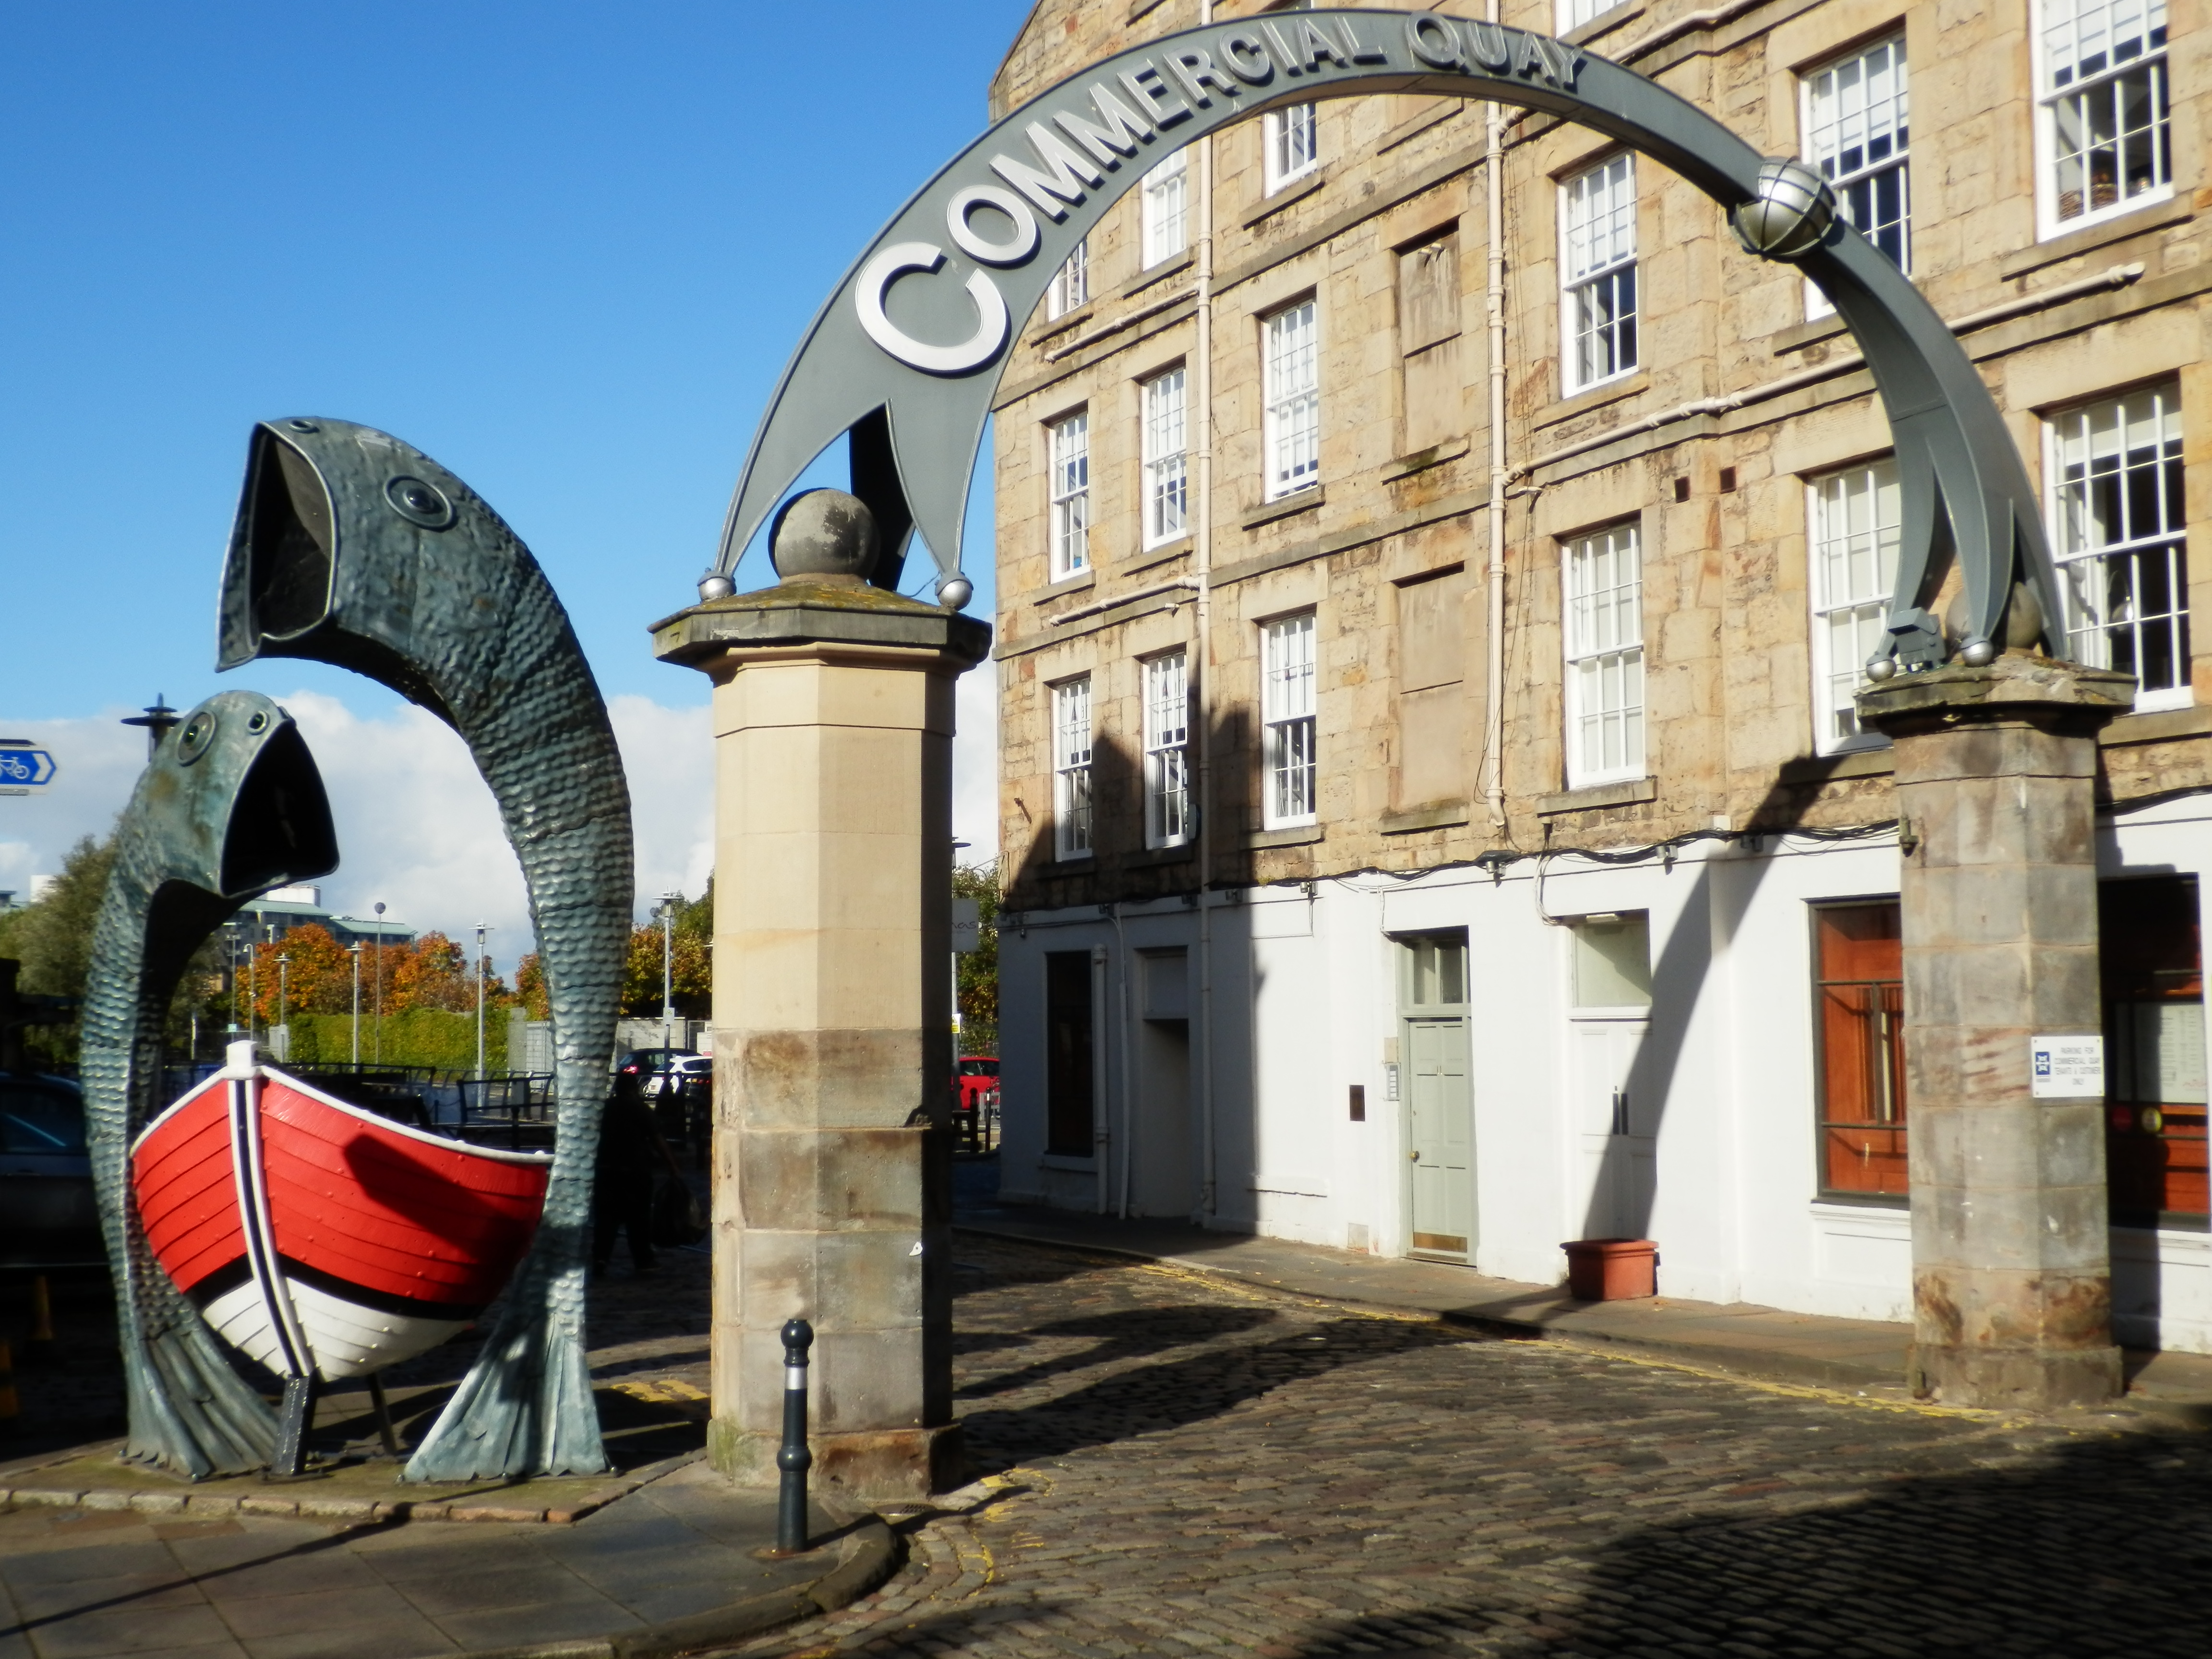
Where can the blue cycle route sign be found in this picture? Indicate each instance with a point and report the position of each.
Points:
(23, 768)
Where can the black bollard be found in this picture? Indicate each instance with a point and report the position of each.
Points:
(793, 1457)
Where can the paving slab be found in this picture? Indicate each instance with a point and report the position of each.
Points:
(679, 1561)
(1859, 1355)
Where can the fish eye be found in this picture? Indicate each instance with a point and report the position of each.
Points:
(192, 742)
(303, 426)
(258, 721)
(419, 503)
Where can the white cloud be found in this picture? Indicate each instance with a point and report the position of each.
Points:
(417, 826)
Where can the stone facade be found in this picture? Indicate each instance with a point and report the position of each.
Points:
(1744, 397)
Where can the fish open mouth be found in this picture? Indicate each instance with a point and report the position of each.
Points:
(288, 530)
(280, 829)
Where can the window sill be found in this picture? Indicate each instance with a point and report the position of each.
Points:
(1065, 1161)
(2068, 244)
(1181, 851)
(1075, 864)
(2153, 724)
(1295, 835)
(1838, 1206)
(1145, 557)
(1627, 792)
(1076, 584)
(1871, 761)
(1597, 397)
(1296, 191)
(1282, 507)
(1810, 333)
(1174, 265)
(1442, 815)
(1422, 459)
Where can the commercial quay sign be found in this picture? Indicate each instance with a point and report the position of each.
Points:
(907, 353)
(24, 771)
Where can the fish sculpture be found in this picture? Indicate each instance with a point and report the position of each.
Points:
(229, 806)
(355, 548)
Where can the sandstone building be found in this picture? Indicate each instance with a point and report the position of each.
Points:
(1435, 565)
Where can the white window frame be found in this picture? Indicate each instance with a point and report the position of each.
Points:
(2080, 542)
(1167, 749)
(1067, 487)
(1847, 107)
(1164, 209)
(1290, 438)
(1163, 404)
(1602, 578)
(1291, 143)
(1597, 272)
(1288, 702)
(1853, 525)
(1573, 13)
(1072, 805)
(2049, 18)
(1071, 283)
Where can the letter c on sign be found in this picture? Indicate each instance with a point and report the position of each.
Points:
(980, 348)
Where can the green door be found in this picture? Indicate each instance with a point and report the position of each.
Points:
(1443, 1144)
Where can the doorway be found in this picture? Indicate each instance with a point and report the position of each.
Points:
(1438, 1094)
(1616, 1124)
(1164, 1180)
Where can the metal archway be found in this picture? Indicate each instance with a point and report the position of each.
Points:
(908, 354)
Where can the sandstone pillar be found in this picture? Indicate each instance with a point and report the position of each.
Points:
(2011, 1257)
(832, 1015)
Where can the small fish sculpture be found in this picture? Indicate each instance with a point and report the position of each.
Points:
(230, 806)
(354, 549)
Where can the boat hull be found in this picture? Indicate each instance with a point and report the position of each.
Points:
(318, 1238)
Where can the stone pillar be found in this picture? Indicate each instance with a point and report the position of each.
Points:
(832, 1011)
(2011, 1253)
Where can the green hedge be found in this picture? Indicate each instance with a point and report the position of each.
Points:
(421, 1037)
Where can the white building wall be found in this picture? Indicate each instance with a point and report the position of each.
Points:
(1305, 1002)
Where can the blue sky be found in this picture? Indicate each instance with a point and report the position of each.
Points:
(564, 248)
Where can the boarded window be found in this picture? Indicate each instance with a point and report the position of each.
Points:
(1432, 715)
(1861, 951)
(1067, 1053)
(2153, 965)
(1428, 340)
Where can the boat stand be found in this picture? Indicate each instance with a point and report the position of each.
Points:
(294, 1422)
(383, 1412)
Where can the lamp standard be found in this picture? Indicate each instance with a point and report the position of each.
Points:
(355, 952)
(378, 1047)
(283, 1021)
(480, 931)
(668, 903)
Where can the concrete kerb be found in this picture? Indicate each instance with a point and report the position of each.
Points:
(870, 1554)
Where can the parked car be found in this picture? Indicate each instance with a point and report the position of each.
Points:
(654, 1066)
(47, 1215)
(680, 1083)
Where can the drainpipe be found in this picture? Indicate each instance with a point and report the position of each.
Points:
(1121, 1042)
(1493, 712)
(1202, 570)
(1102, 1138)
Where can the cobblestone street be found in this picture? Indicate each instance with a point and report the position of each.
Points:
(1172, 1464)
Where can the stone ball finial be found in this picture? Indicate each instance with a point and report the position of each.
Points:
(1790, 213)
(823, 532)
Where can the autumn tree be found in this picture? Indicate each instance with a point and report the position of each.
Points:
(977, 978)
(307, 972)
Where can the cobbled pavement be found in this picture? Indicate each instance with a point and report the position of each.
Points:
(1174, 1465)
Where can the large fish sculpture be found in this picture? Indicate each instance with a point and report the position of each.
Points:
(355, 548)
(229, 806)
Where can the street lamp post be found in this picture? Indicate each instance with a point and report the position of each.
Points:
(668, 903)
(480, 931)
(284, 1019)
(378, 1044)
(356, 953)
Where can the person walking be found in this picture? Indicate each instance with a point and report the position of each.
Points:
(630, 1147)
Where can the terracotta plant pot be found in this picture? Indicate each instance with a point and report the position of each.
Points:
(1612, 1269)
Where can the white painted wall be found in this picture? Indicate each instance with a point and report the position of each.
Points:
(1305, 1002)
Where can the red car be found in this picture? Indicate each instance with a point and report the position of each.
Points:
(976, 1078)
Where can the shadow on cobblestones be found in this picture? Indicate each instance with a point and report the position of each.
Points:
(1128, 1335)
(2103, 1546)
(1149, 1397)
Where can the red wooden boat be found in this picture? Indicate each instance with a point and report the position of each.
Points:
(323, 1240)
